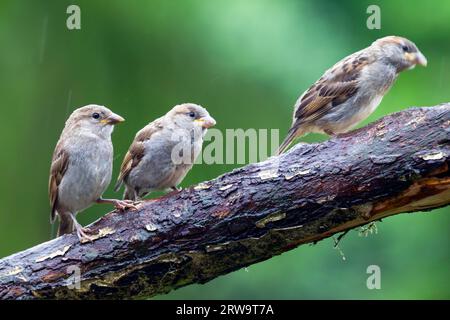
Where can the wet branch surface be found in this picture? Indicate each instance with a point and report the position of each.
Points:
(397, 164)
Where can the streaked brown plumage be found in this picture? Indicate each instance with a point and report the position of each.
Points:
(149, 163)
(351, 90)
(81, 166)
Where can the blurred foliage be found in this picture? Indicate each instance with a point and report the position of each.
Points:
(246, 62)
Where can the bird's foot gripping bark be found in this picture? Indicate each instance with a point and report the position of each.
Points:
(120, 205)
(84, 234)
(123, 205)
(331, 133)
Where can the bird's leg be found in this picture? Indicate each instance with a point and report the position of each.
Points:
(330, 133)
(174, 189)
(120, 205)
(82, 232)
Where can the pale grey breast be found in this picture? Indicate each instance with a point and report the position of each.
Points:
(370, 92)
(88, 173)
(162, 166)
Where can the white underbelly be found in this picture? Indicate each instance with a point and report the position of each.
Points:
(364, 112)
(81, 187)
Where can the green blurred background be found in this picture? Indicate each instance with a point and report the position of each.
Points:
(246, 62)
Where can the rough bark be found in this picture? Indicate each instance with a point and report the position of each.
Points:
(397, 164)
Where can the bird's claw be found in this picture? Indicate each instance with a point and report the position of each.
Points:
(175, 190)
(87, 230)
(83, 235)
(123, 205)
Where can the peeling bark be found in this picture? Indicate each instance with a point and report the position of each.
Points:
(397, 164)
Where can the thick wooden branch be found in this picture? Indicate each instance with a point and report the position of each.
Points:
(397, 164)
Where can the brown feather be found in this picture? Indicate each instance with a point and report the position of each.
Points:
(335, 87)
(292, 134)
(58, 167)
(136, 151)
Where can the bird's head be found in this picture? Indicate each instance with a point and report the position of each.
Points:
(400, 52)
(191, 116)
(94, 118)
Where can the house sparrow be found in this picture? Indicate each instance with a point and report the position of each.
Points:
(352, 89)
(81, 167)
(164, 151)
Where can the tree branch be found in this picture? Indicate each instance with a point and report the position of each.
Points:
(397, 164)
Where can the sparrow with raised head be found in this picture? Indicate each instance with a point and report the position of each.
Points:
(352, 89)
(164, 151)
(81, 167)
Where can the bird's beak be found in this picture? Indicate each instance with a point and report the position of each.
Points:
(206, 122)
(113, 119)
(416, 58)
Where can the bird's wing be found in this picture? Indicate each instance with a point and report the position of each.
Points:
(335, 87)
(136, 151)
(60, 162)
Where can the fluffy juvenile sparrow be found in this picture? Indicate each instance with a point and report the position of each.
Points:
(353, 88)
(164, 151)
(82, 166)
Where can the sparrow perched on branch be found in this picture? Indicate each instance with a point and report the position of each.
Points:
(81, 167)
(164, 151)
(352, 89)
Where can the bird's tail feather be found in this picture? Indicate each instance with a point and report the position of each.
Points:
(52, 231)
(65, 226)
(129, 194)
(118, 185)
(292, 134)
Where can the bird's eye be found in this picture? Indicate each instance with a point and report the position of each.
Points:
(191, 114)
(405, 48)
(95, 115)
